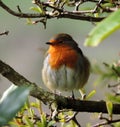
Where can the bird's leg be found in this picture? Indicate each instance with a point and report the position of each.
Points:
(83, 95)
(73, 96)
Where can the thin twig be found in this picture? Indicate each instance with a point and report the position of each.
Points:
(115, 85)
(4, 33)
(78, 4)
(18, 7)
(73, 117)
(106, 122)
(43, 20)
(98, 4)
(48, 15)
(48, 5)
(116, 71)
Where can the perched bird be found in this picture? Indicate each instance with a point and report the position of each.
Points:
(65, 67)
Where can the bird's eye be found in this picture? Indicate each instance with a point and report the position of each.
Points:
(60, 42)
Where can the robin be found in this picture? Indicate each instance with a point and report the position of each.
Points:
(65, 67)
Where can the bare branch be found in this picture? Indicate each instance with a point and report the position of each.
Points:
(4, 33)
(48, 98)
(105, 122)
(21, 15)
(71, 15)
(61, 13)
(115, 85)
(18, 7)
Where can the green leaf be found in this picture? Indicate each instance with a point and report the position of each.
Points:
(91, 94)
(104, 29)
(113, 98)
(11, 102)
(43, 120)
(117, 124)
(28, 121)
(51, 123)
(109, 107)
(36, 9)
(29, 21)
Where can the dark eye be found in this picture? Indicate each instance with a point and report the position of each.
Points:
(60, 42)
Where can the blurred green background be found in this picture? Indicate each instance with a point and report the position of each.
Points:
(24, 47)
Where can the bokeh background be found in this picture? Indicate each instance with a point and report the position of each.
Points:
(24, 47)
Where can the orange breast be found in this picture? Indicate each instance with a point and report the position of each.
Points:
(62, 55)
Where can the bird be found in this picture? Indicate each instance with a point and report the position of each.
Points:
(65, 67)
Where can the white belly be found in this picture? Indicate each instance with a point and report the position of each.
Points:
(64, 78)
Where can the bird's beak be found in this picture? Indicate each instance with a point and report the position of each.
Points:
(48, 43)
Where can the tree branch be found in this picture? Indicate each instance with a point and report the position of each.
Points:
(21, 15)
(49, 15)
(48, 98)
(106, 122)
(4, 33)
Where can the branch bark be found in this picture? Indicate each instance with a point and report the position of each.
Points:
(4, 33)
(21, 15)
(48, 98)
(48, 15)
